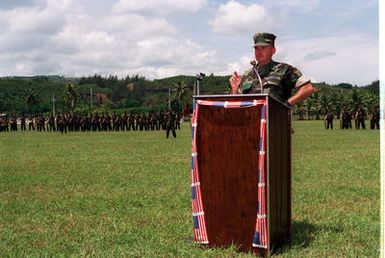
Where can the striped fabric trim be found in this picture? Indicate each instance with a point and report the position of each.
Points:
(260, 236)
(200, 231)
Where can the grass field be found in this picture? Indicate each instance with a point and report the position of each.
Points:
(110, 194)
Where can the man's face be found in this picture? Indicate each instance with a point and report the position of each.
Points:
(263, 54)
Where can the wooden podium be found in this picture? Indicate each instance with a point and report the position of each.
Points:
(241, 172)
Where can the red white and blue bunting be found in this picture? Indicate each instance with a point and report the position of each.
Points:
(200, 231)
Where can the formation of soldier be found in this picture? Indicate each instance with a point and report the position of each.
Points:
(359, 116)
(154, 121)
(82, 122)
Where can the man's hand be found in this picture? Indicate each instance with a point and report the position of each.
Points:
(235, 81)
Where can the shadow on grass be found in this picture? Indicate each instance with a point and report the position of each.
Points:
(303, 234)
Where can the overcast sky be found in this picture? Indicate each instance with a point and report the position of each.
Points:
(331, 41)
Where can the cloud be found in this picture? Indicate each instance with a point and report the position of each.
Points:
(63, 38)
(36, 20)
(134, 27)
(234, 17)
(74, 38)
(11, 4)
(116, 45)
(334, 59)
(30, 29)
(169, 57)
(239, 66)
(318, 55)
(164, 7)
(301, 6)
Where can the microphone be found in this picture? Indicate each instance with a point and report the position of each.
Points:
(255, 68)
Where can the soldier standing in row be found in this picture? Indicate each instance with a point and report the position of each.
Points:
(124, 123)
(131, 122)
(95, 122)
(170, 123)
(31, 125)
(345, 119)
(22, 123)
(375, 118)
(152, 121)
(13, 123)
(177, 120)
(329, 120)
(360, 118)
(140, 122)
(61, 123)
(40, 123)
(4, 124)
(51, 123)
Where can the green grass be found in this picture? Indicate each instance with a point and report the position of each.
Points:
(128, 194)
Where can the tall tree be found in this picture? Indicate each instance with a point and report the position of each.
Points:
(309, 105)
(70, 96)
(182, 93)
(371, 101)
(316, 105)
(31, 100)
(356, 99)
(299, 110)
(325, 104)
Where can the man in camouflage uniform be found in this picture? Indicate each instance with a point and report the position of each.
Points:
(95, 122)
(13, 123)
(31, 123)
(131, 122)
(329, 120)
(23, 123)
(51, 123)
(61, 123)
(170, 123)
(360, 118)
(268, 76)
(374, 118)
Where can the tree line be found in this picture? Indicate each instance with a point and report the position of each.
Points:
(97, 93)
(339, 98)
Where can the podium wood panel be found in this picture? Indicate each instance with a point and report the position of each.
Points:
(279, 174)
(228, 141)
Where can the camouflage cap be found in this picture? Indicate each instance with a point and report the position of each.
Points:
(264, 39)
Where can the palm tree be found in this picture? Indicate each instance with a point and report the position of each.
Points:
(316, 105)
(182, 92)
(340, 103)
(356, 99)
(325, 104)
(371, 100)
(309, 105)
(70, 96)
(299, 110)
(31, 99)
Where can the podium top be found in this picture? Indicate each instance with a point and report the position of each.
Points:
(238, 96)
(232, 95)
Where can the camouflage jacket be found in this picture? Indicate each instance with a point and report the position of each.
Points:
(278, 80)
